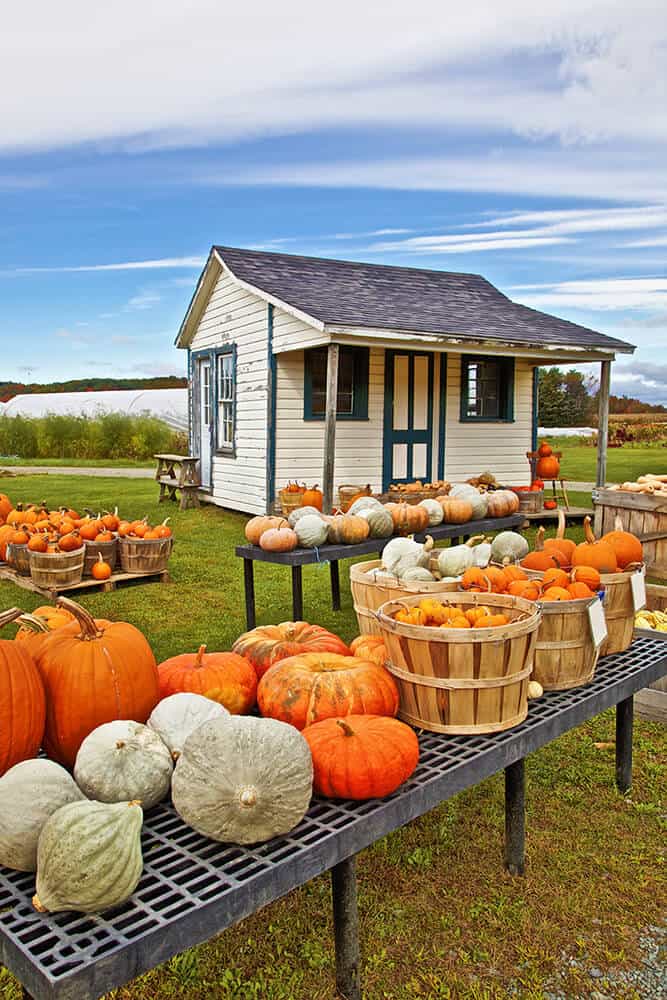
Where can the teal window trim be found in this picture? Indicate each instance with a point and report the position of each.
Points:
(442, 417)
(222, 449)
(361, 360)
(505, 389)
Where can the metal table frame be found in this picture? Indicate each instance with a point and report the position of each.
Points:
(332, 554)
(193, 888)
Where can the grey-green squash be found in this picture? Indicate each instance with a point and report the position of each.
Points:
(364, 503)
(124, 760)
(299, 512)
(89, 857)
(380, 521)
(311, 530)
(178, 715)
(30, 792)
(243, 780)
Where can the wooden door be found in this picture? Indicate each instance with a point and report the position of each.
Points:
(204, 420)
(408, 417)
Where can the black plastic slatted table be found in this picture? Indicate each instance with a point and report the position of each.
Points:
(193, 888)
(331, 554)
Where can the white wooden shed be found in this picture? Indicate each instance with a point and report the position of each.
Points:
(434, 375)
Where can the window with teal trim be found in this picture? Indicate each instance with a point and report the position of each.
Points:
(487, 389)
(352, 402)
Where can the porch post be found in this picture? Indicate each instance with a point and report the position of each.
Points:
(603, 422)
(330, 428)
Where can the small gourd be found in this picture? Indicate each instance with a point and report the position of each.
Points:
(124, 760)
(178, 715)
(380, 521)
(89, 857)
(534, 690)
(30, 792)
(402, 554)
(311, 530)
(434, 511)
(243, 780)
(299, 512)
(456, 559)
(508, 547)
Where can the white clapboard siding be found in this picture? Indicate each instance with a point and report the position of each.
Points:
(300, 443)
(291, 334)
(235, 316)
(471, 448)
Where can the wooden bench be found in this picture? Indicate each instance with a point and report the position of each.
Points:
(178, 474)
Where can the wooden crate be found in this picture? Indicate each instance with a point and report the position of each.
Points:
(87, 583)
(643, 515)
(530, 501)
(651, 703)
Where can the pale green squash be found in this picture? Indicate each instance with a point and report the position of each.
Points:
(124, 760)
(178, 715)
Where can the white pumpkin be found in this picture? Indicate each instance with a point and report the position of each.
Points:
(478, 500)
(380, 521)
(311, 530)
(243, 780)
(481, 555)
(509, 547)
(175, 717)
(434, 511)
(89, 857)
(455, 560)
(30, 792)
(402, 554)
(534, 690)
(299, 512)
(124, 760)
(364, 503)
(418, 574)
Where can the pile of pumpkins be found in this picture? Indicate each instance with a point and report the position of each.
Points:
(74, 817)
(308, 527)
(433, 613)
(65, 530)
(616, 551)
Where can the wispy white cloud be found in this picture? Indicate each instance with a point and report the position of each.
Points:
(145, 299)
(603, 294)
(651, 241)
(163, 263)
(469, 244)
(583, 220)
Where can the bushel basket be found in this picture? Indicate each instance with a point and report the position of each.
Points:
(56, 570)
(372, 587)
(463, 681)
(565, 654)
(144, 555)
(108, 550)
(619, 611)
(18, 556)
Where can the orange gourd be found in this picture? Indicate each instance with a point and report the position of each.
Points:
(93, 672)
(491, 621)
(459, 622)
(6, 506)
(313, 686)
(513, 573)
(101, 570)
(312, 497)
(587, 575)
(579, 591)
(163, 530)
(223, 677)
(476, 580)
(369, 647)
(627, 547)
(528, 589)
(555, 578)
(6, 532)
(267, 644)
(497, 579)
(556, 594)
(473, 614)
(361, 756)
(600, 555)
(22, 700)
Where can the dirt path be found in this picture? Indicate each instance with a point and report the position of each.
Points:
(67, 470)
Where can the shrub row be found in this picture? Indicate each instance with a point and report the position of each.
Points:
(109, 435)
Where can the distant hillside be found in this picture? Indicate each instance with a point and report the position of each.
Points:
(10, 389)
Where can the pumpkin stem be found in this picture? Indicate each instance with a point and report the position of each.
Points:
(166, 522)
(344, 726)
(89, 629)
(474, 540)
(588, 531)
(248, 797)
(200, 655)
(539, 539)
(38, 905)
(560, 530)
(134, 802)
(428, 543)
(10, 616)
(32, 622)
(120, 744)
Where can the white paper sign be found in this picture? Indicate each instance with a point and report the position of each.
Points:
(638, 584)
(598, 622)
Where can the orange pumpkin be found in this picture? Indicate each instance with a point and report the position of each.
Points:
(579, 591)
(38, 542)
(408, 518)
(545, 450)
(22, 701)
(6, 532)
(163, 530)
(278, 540)
(491, 621)
(600, 555)
(627, 546)
(369, 647)
(256, 527)
(548, 468)
(100, 570)
(223, 677)
(556, 594)
(459, 622)
(313, 686)
(497, 579)
(90, 529)
(513, 573)
(312, 497)
(111, 521)
(71, 542)
(35, 627)
(476, 580)
(542, 558)
(555, 578)
(528, 589)
(474, 614)
(455, 511)
(588, 575)
(104, 536)
(6, 506)
(268, 644)
(560, 543)
(361, 756)
(94, 671)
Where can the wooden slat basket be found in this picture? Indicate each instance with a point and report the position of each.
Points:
(372, 587)
(54, 570)
(643, 514)
(530, 501)
(619, 612)
(108, 550)
(463, 681)
(144, 555)
(18, 556)
(565, 654)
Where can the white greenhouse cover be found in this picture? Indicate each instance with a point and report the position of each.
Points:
(170, 405)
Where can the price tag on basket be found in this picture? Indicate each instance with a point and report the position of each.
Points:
(598, 622)
(638, 584)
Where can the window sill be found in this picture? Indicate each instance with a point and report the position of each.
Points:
(339, 416)
(487, 420)
(225, 452)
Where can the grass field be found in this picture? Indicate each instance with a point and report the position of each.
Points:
(78, 463)
(440, 917)
(579, 461)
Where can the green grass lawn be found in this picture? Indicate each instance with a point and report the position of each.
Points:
(88, 463)
(440, 917)
(579, 461)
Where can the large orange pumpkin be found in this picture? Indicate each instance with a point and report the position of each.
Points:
(600, 555)
(545, 450)
(6, 532)
(369, 647)
(314, 686)
(94, 671)
(268, 644)
(361, 756)
(548, 468)
(224, 677)
(627, 546)
(312, 497)
(5, 506)
(22, 701)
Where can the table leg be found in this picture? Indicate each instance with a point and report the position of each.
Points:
(249, 586)
(346, 929)
(515, 817)
(624, 721)
(297, 594)
(335, 584)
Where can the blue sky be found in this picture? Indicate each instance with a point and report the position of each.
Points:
(529, 146)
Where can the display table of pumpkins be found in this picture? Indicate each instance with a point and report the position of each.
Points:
(164, 813)
(320, 540)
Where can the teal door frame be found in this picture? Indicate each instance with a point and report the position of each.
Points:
(409, 436)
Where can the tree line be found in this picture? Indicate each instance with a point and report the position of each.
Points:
(10, 389)
(570, 399)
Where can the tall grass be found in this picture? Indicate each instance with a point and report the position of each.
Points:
(106, 436)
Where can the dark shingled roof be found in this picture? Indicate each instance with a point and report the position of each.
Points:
(348, 293)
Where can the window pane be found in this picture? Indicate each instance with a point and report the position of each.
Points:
(225, 387)
(485, 390)
(318, 369)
